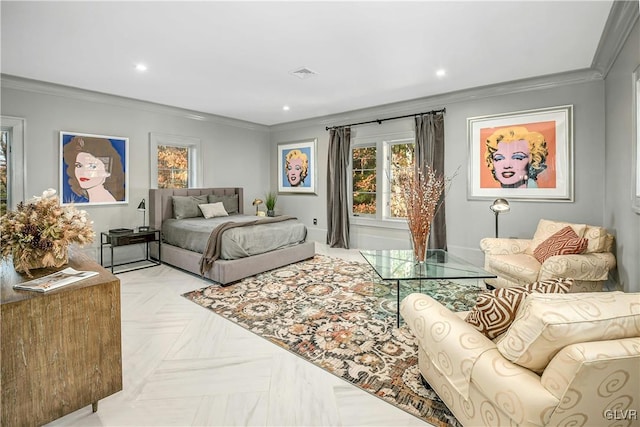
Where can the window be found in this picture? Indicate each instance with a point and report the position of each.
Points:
(4, 154)
(12, 164)
(177, 161)
(375, 166)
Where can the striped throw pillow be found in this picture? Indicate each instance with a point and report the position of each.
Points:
(564, 242)
(494, 311)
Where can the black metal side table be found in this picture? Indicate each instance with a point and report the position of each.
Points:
(118, 238)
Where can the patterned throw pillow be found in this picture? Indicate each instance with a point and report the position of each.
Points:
(494, 311)
(564, 242)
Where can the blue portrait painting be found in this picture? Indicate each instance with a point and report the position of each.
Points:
(297, 173)
(93, 169)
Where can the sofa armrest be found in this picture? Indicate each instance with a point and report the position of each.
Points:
(515, 390)
(452, 345)
(579, 267)
(497, 246)
(588, 376)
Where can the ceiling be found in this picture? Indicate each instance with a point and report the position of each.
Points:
(235, 59)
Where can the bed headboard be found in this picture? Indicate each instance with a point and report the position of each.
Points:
(161, 206)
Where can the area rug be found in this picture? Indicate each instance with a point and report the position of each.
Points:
(340, 316)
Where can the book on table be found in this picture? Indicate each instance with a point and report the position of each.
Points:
(55, 280)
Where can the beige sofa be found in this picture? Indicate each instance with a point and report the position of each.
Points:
(513, 261)
(566, 360)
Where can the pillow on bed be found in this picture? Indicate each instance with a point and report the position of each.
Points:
(212, 210)
(230, 202)
(187, 206)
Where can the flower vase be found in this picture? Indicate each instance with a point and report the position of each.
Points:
(271, 212)
(419, 244)
(33, 260)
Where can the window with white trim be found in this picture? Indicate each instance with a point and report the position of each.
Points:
(176, 161)
(375, 163)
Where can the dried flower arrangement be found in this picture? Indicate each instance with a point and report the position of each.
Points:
(40, 231)
(423, 194)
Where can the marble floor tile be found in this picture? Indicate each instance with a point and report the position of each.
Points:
(183, 365)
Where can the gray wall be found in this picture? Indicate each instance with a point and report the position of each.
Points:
(49, 109)
(469, 221)
(618, 215)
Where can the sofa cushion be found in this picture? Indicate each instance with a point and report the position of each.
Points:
(547, 228)
(564, 242)
(597, 237)
(521, 268)
(494, 311)
(230, 202)
(187, 206)
(547, 323)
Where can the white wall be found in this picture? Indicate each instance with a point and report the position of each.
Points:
(618, 215)
(234, 152)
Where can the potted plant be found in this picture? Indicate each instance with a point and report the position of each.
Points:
(270, 203)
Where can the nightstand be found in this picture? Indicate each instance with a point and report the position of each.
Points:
(114, 239)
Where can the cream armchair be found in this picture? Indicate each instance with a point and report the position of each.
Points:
(512, 260)
(567, 359)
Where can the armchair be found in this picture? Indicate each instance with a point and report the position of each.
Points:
(513, 260)
(567, 359)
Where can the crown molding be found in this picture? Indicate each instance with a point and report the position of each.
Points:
(444, 100)
(620, 22)
(45, 88)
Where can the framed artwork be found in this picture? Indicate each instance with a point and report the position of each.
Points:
(636, 142)
(525, 155)
(94, 169)
(297, 167)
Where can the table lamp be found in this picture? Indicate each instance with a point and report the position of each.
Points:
(143, 208)
(499, 206)
(256, 203)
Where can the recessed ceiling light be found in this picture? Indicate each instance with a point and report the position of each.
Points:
(441, 73)
(285, 108)
(141, 67)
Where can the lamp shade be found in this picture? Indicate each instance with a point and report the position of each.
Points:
(142, 206)
(500, 206)
(257, 202)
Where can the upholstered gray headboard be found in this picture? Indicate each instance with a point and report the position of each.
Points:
(161, 206)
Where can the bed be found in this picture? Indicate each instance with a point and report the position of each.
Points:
(224, 271)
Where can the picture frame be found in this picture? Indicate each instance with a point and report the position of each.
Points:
(538, 167)
(94, 169)
(635, 157)
(297, 167)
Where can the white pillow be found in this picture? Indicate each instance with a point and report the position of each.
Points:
(211, 210)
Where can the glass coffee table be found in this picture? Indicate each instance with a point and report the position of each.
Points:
(399, 265)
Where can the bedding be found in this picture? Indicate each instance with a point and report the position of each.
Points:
(183, 245)
(193, 234)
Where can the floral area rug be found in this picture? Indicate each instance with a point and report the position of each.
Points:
(340, 316)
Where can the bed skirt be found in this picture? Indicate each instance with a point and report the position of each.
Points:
(229, 271)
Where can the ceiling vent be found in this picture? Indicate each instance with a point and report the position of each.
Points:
(303, 73)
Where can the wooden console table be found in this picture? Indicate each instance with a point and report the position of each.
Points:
(61, 350)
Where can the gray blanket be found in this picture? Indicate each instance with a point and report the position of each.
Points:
(213, 248)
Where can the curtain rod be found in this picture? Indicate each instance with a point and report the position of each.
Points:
(379, 121)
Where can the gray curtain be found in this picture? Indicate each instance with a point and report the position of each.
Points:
(430, 151)
(337, 191)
